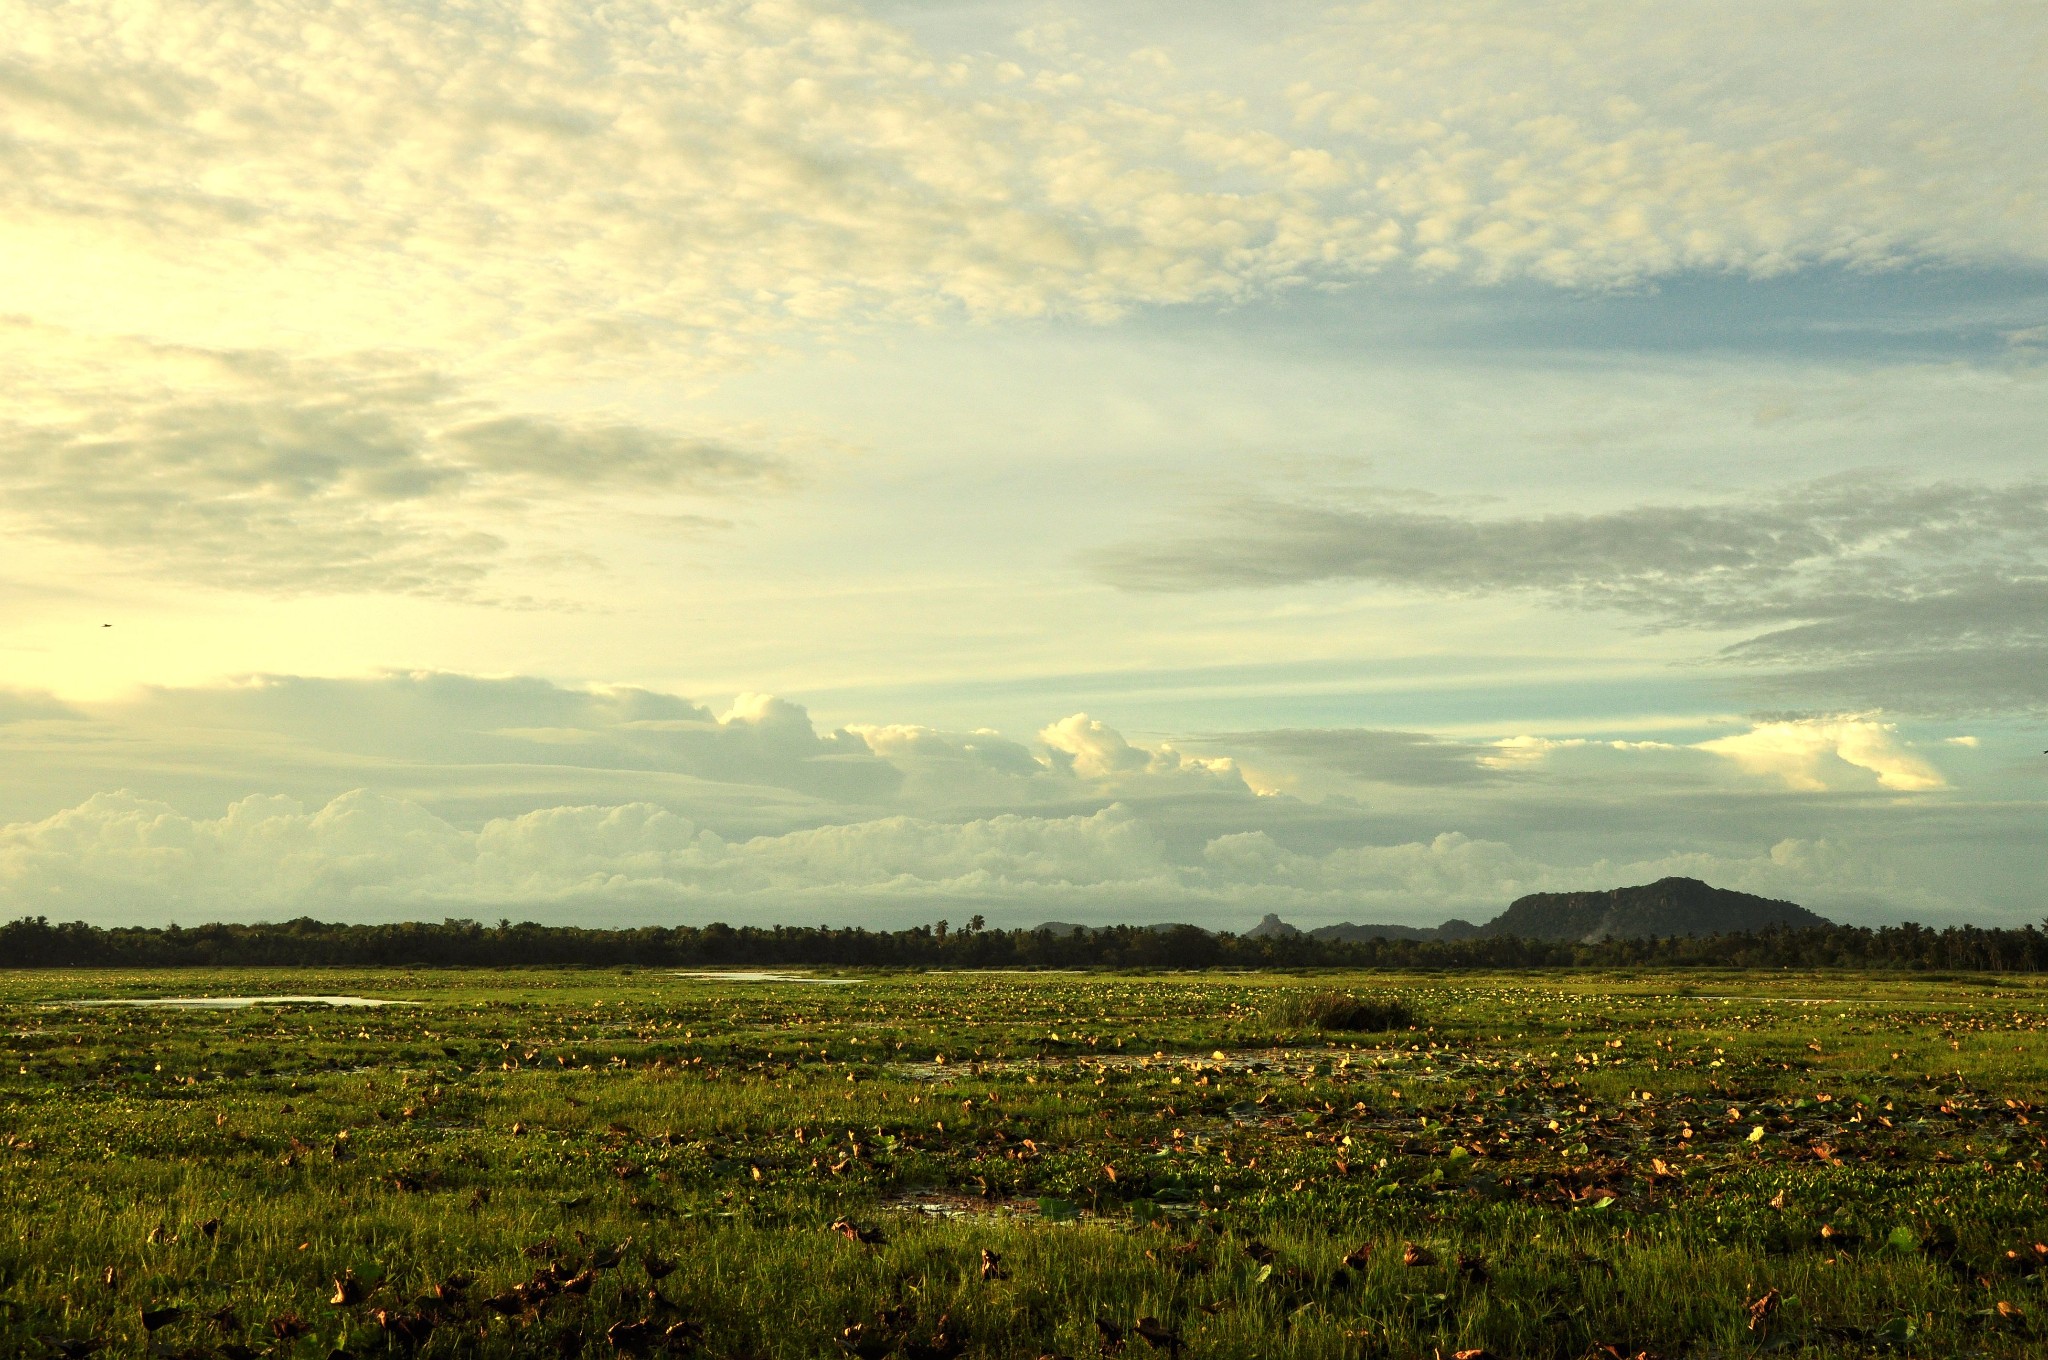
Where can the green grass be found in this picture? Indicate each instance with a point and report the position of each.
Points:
(1342, 1012)
(1623, 1160)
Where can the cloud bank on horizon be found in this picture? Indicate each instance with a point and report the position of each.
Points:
(1194, 460)
(637, 806)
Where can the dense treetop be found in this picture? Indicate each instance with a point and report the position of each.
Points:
(34, 942)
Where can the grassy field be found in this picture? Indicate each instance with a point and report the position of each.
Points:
(591, 1163)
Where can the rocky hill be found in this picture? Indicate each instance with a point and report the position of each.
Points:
(1276, 928)
(1453, 929)
(1272, 925)
(1670, 906)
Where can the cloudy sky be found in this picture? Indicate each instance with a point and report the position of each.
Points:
(793, 461)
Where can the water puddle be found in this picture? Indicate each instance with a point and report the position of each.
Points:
(743, 975)
(236, 1003)
(1794, 1000)
(949, 1204)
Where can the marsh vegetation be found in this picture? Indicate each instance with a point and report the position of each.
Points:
(631, 1162)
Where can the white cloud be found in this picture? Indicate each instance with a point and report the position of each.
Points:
(493, 744)
(116, 856)
(1811, 753)
(1094, 751)
(1514, 752)
(509, 203)
(1585, 146)
(497, 183)
(426, 793)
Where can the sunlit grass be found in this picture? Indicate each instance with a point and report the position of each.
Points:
(1569, 1162)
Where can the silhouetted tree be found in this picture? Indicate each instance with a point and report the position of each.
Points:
(33, 942)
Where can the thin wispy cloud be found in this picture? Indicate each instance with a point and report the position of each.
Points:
(240, 471)
(1848, 571)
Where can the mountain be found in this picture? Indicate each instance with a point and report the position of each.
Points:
(1670, 906)
(1452, 929)
(1157, 927)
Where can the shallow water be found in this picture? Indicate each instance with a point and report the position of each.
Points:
(760, 976)
(236, 1003)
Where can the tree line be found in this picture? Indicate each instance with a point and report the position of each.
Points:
(33, 942)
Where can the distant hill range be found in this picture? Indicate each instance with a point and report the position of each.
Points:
(1670, 906)
(1158, 927)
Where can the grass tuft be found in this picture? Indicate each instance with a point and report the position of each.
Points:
(1342, 1011)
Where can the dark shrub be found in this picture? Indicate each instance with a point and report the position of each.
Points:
(1331, 1010)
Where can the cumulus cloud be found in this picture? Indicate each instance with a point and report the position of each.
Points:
(483, 746)
(1803, 751)
(368, 855)
(983, 749)
(431, 793)
(1936, 593)
(1095, 751)
(367, 852)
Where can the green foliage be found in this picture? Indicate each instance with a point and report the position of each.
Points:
(33, 942)
(1343, 1012)
(578, 1163)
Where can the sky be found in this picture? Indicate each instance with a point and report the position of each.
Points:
(637, 463)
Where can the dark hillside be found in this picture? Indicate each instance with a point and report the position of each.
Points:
(1669, 907)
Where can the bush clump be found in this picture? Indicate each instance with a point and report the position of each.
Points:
(1333, 1010)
